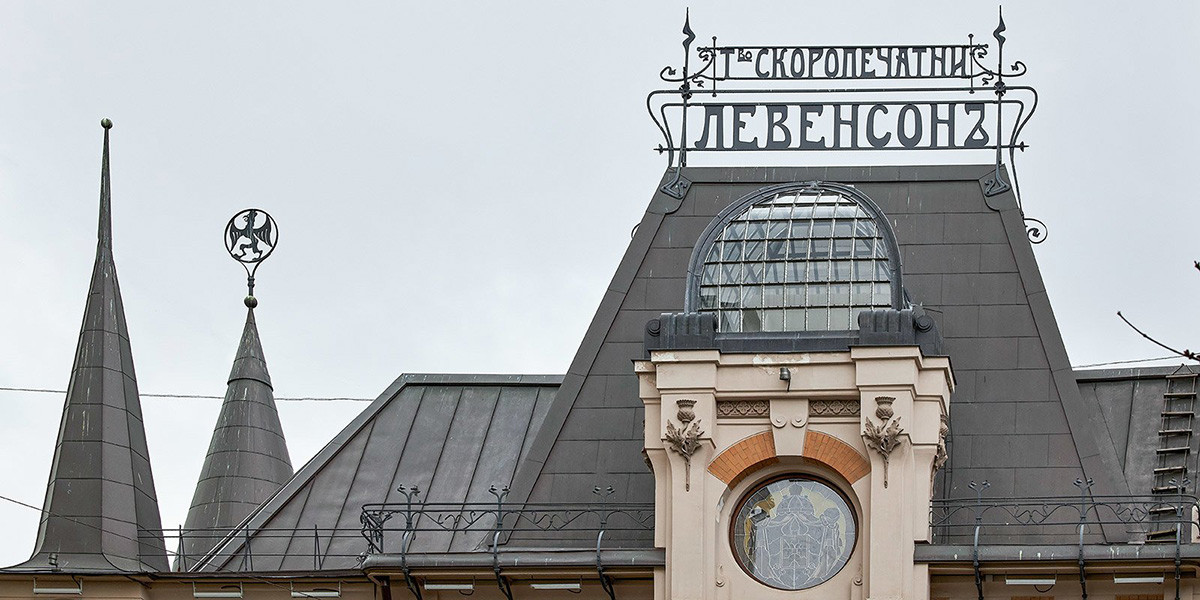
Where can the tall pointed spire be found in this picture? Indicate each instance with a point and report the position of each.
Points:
(247, 458)
(101, 511)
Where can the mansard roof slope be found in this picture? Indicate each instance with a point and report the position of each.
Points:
(452, 436)
(1017, 418)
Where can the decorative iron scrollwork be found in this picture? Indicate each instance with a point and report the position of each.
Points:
(1035, 230)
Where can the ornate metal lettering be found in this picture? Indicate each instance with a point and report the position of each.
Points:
(769, 98)
(833, 408)
(743, 409)
(885, 437)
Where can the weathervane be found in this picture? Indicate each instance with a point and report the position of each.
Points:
(250, 237)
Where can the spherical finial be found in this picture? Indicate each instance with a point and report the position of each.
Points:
(106, 123)
(251, 302)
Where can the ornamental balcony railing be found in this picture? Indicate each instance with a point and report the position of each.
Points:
(396, 526)
(1065, 520)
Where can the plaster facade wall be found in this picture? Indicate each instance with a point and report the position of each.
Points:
(717, 425)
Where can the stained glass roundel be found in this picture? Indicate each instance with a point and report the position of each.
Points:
(793, 533)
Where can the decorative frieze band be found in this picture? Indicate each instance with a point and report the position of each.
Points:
(746, 409)
(833, 408)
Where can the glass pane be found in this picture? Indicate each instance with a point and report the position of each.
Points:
(731, 321)
(864, 270)
(865, 228)
(730, 297)
(842, 248)
(883, 294)
(800, 228)
(772, 320)
(823, 211)
(793, 319)
(735, 231)
(752, 320)
(731, 251)
(820, 249)
(752, 296)
(798, 249)
(839, 294)
(797, 272)
(708, 297)
(781, 213)
(802, 211)
(846, 210)
(818, 294)
(822, 228)
(843, 228)
(795, 295)
(839, 319)
(773, 296)
(861, 294)
(841, 270)
(882, 273)
(754, 250)
(863, 248)
(731, 273)
(756, 230)
(759, 213)
(752, 273)
(818, 271)
(773, 272)
(818, 319)
(710, 275)
(776, 250)
(778, 230)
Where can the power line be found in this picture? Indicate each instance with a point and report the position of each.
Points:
(199, 396)
(1123, 362)
(166, 550)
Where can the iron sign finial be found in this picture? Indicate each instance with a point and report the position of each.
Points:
(250, 237)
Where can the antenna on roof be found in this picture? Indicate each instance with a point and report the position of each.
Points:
(250, 237)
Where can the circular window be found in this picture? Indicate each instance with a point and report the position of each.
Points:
(793, 533)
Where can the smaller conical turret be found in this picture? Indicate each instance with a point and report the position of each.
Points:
(247, 458)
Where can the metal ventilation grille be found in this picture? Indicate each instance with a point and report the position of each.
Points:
(799, 261)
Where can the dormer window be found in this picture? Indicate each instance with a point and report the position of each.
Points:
(804, 257)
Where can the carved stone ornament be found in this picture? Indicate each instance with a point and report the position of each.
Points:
(885, 437)
(685, 440)
(684, 411)
(741, 409)
(833, 408)
(939, 459)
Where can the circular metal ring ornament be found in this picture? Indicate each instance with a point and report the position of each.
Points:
(251, 236)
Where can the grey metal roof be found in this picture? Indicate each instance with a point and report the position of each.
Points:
(247, 458)
(1017, 418)
(451, 435)
(101, 512)
(1131, 402)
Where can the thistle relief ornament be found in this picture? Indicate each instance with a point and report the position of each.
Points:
(685, 440)
(885, 437)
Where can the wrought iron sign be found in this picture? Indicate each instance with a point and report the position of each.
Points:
(250, 237)
(737, 98)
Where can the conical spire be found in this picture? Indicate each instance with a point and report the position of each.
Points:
(247, 458)
(101, 511)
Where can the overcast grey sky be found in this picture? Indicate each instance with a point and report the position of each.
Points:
(455, 183)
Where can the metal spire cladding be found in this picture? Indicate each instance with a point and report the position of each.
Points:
(101, 511)
(247, 458)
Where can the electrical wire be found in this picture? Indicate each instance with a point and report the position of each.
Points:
(1123, 362)
(199, 396)
(139, 542)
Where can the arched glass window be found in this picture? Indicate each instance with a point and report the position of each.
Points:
(796, 258)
